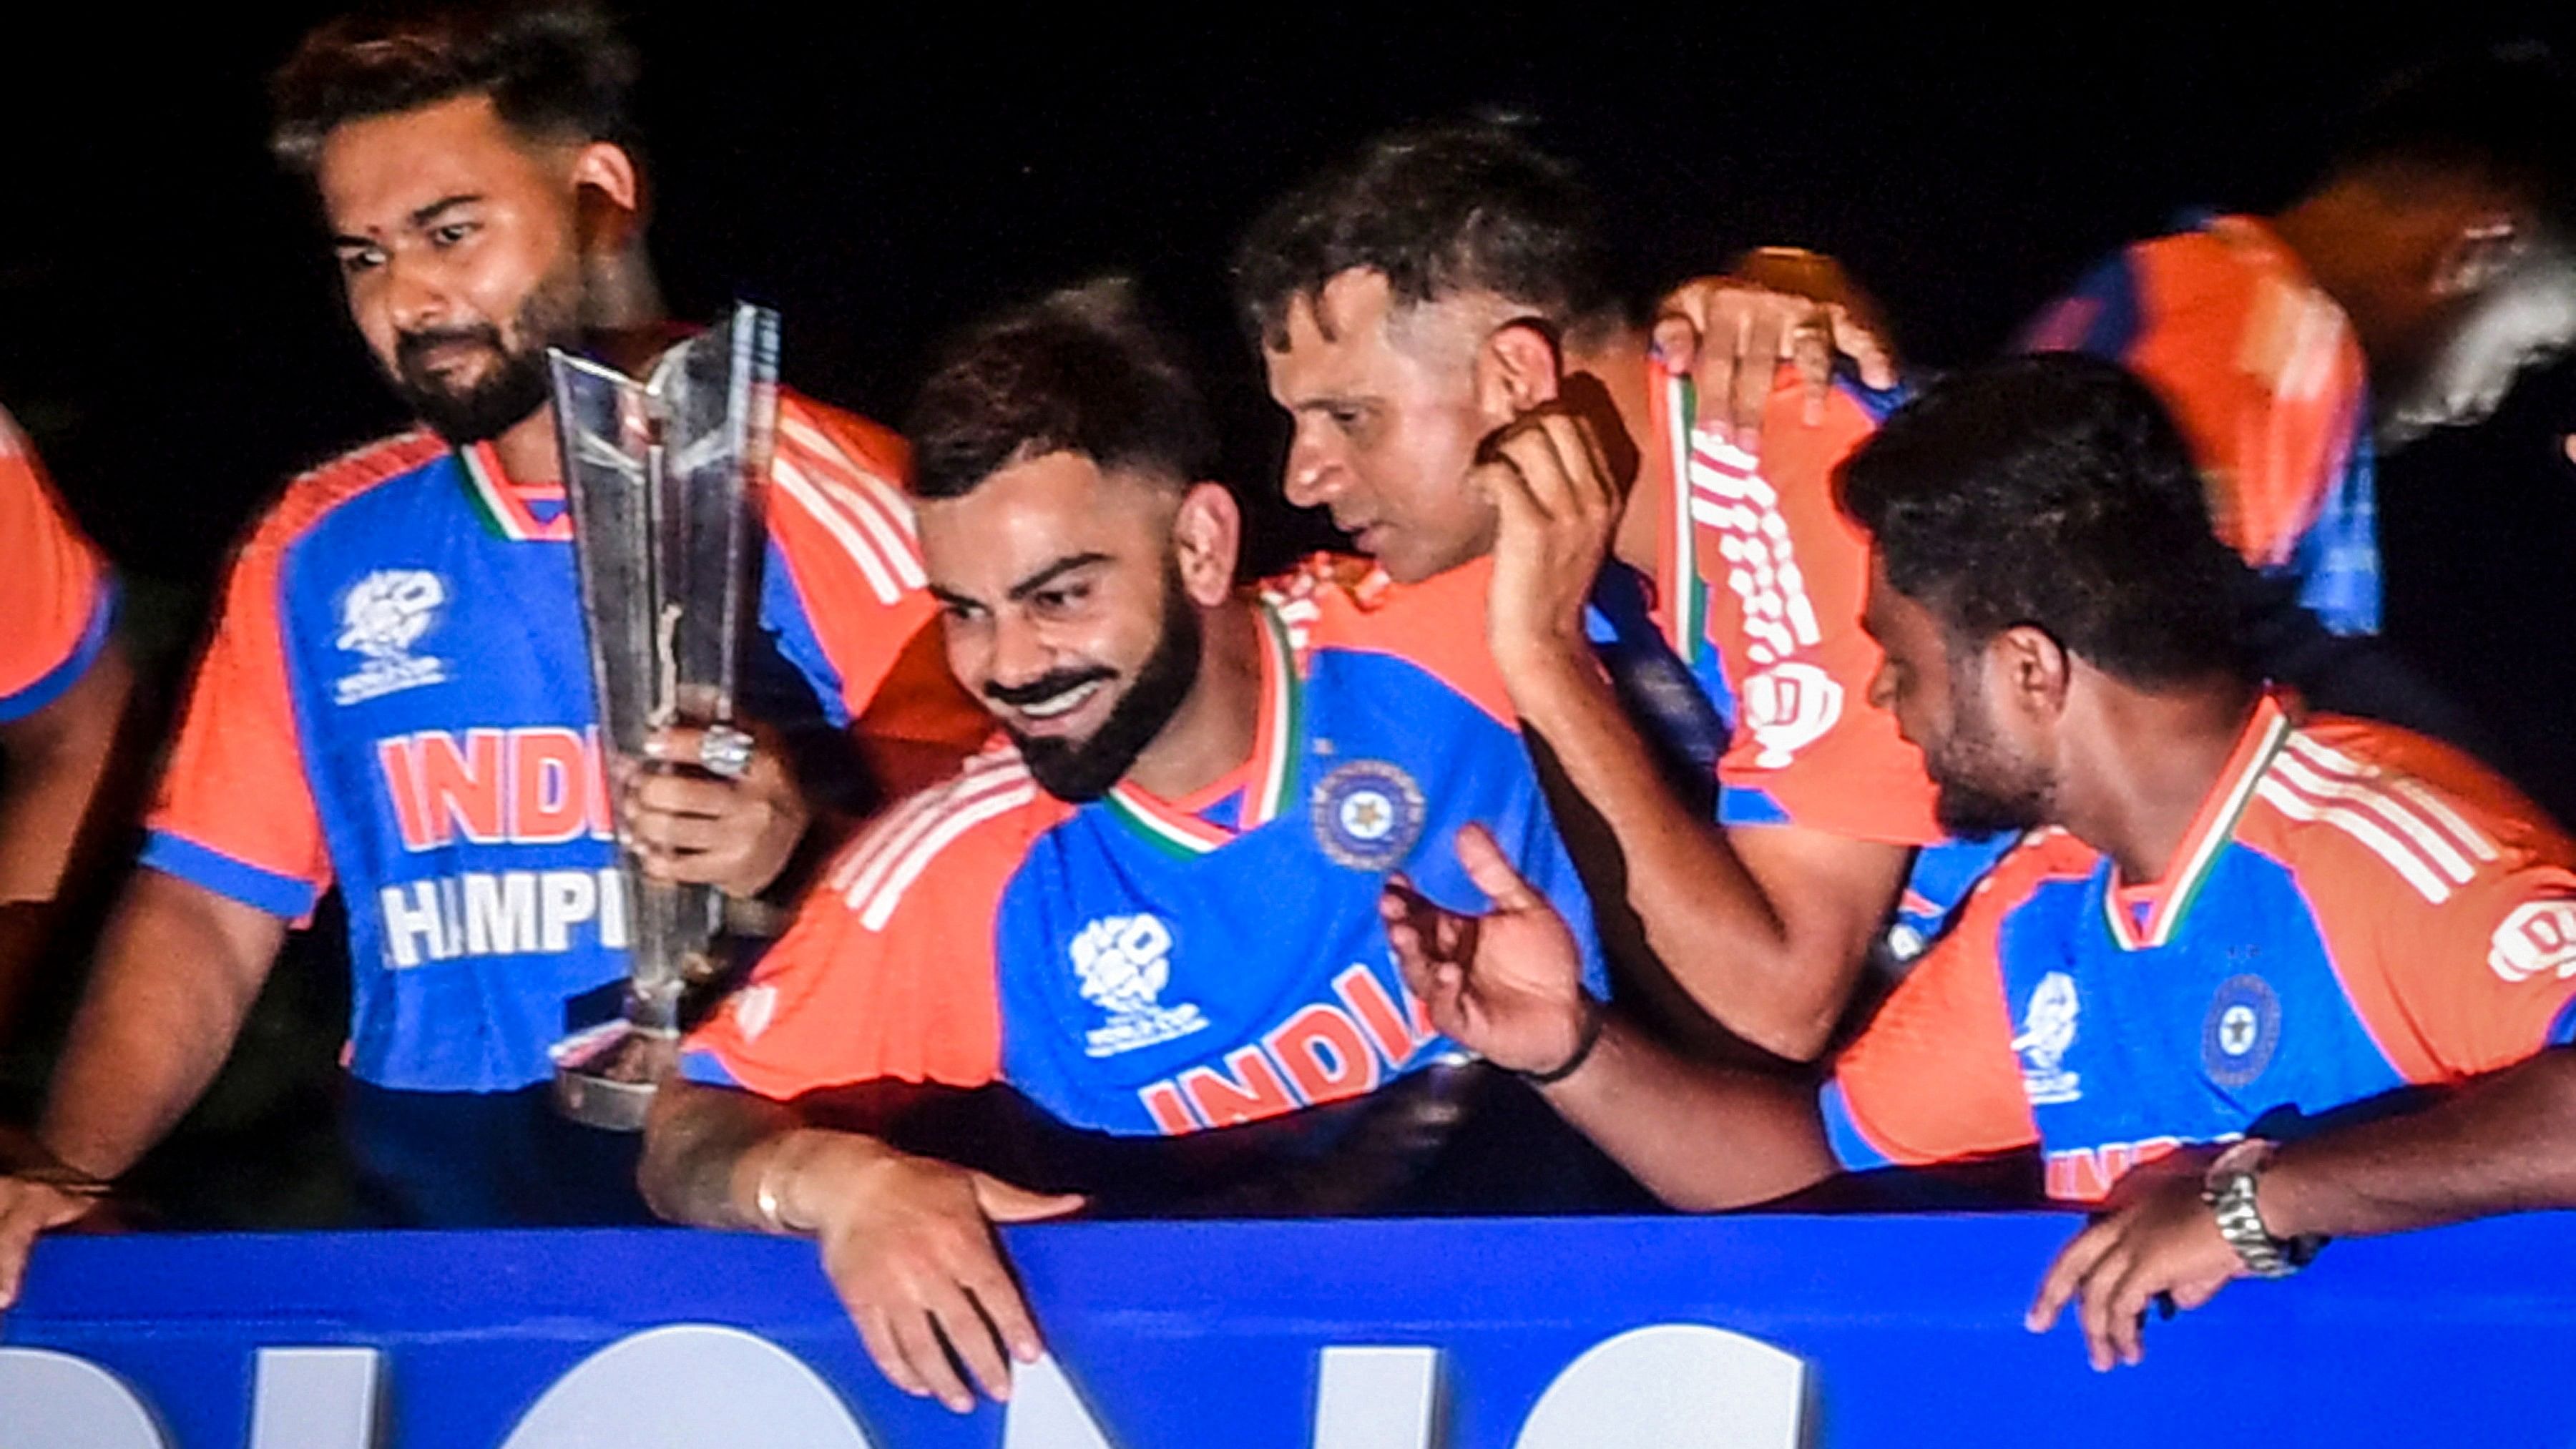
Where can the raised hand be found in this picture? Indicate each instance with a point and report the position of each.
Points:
(1730, 334)
(1507, 985)
(1558, 508)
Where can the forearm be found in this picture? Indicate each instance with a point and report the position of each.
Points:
(2504, 1143)
(1706, 915)
(709, 1150)
(177, 971)
(54, 759)
(1700, 1137)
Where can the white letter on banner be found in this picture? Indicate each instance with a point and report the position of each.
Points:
(314, 1398)
(1375, 1398)
(1672, 1386)
(55, 1401)
(690, 1386)
(1046, 1413)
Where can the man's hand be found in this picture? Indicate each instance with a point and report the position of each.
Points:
(1730, 335)
(697, 827)
(31, 1204)
(1508, 985)
(1558, 510)
(2163, 1243)
(908, 1244)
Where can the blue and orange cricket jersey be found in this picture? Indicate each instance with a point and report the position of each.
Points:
(1760, 583)
(2262, 373)
(55, 591)
(1141, 966)
(397, 700)
(2355, 909)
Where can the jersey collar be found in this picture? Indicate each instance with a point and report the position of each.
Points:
(504, 506)
(1267, 780)
(2167, 900)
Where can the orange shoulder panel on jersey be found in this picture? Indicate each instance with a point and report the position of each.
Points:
(2447, 902)
(235, 783)
(1934, 1077)
(51, 579)
(1338, 601)
(839, 516)
(1784, 575)
(888, 971)
(2260, 370)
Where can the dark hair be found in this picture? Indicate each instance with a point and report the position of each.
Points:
(1080, 371)
(557, 70)
(2052, 491)
(1439, 210)
(2505, 115)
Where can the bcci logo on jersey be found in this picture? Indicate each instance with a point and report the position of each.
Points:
(1123, 963)
(2047, 1031)
(381, 618)
(1367, 814)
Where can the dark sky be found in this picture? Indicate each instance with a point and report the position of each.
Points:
(169, 331)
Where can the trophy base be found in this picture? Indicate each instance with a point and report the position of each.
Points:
(605, 1077)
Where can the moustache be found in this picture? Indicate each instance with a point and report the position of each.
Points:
(1045, 686)
(411, 347)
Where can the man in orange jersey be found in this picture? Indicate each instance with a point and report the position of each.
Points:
(1442, 284)
(63, 686)
(2204, 989)
(396, 698)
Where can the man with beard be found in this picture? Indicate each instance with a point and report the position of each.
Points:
(1152, 912)
(397, 698)
(2203, 991)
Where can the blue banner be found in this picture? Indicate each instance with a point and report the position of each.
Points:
(1456, 1334)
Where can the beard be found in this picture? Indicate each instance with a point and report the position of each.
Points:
(1081, 771)
(506, 393)
(1982, 791)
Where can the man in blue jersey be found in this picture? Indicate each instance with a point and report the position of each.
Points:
(396, 699)
(1151, 910)
(2204, 994)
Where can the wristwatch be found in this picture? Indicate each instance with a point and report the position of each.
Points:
(2229, 1190)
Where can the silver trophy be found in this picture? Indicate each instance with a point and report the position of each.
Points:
(664, 478)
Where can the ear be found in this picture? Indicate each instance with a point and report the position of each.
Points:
(2029, 672)
(1517, 369)
(1207, 538)
(609, 189)
(2476, 253)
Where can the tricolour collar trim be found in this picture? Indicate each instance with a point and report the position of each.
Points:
(2210, 831)
(1270, 779)
(500, 506)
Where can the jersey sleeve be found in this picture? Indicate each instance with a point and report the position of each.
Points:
(844, 588)
(2448, 909)
(55, 590)
(889, 970)
(1934, 1077)
(235, 812)
(1783, 575)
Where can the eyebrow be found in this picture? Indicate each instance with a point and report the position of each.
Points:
(420, 217)
(1054, 571)
(1025, 587)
